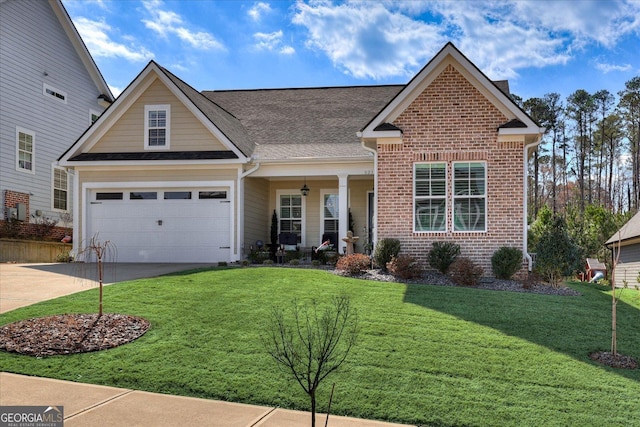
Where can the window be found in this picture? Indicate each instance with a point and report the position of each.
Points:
(143, 195)
(156, 126)
(108, 196)
(469, 197)
(330, 213)
(430, 197)
(60, 189)
(212, 195)
(177, 195)
(54, 93)
(25, 150)
(93, 116)
(291, 214)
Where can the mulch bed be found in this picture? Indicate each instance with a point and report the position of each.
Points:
(614, 360)
(70, 333)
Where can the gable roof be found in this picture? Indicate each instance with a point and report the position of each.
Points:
(228, 124)
(213, 117)
(497, 92)
(306, 122)
(81, 49)
(630, 230)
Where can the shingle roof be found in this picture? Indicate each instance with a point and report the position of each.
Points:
(229, 125)
(305, 123)
(628, 231)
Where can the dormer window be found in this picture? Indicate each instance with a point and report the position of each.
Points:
(157, 127)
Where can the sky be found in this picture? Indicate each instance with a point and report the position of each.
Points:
(539, 46)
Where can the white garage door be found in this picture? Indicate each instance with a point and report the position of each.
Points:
(163, 225)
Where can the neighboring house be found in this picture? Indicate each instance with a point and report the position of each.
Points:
(172, 174)
(627, 240)
(50, 93)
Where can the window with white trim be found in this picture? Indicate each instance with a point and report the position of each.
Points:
(60, 189)
(54, 93)
(93, 116)
(290, 214)
(157, 119)
(330, 212)
(25, 150)
(469, 196)
(429, 197)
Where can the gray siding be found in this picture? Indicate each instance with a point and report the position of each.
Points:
(628, 266)
(35, 49)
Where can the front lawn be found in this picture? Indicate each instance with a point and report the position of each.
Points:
(429, 355)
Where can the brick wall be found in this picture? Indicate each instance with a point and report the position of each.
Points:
(30, 228)
(452, 121)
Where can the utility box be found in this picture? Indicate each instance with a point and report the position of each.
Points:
(22, 211)
(12, 213)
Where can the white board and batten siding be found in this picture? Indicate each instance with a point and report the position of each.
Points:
(36, 51)
(161, 223)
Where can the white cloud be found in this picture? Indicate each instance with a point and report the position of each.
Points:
(116, 91)
(259, 9)
(392, 38)
(271, 42)
(95, 35)
(368, 40)
(166, 23)
(606, 68)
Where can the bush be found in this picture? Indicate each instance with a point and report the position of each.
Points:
(442, 255)
(558, 255)
(354, 264)
(294, 261)
(405, 267)
(385, 250)
(267, 262)
(505, 262)
(465, 272)
(258, 257)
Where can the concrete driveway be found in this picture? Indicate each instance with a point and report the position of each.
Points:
(26, 284)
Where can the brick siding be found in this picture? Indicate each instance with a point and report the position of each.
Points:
(28, 229)
(452, 121)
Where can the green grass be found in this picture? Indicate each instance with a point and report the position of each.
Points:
(427, 355)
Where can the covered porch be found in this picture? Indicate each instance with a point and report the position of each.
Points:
(310, 208)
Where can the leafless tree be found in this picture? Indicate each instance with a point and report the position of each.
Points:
(312, 341)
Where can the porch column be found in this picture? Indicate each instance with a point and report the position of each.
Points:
(343, 209)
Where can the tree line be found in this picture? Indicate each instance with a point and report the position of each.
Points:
(587, 166)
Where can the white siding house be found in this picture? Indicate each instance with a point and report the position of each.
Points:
(50, 88)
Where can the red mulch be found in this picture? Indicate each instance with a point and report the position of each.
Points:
(70, 333)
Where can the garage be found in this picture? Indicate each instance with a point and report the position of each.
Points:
(162, 224)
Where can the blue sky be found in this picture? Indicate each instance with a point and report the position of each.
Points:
(539, 46)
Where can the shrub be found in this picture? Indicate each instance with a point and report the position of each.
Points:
(223, 264)
(505, 262)
(294, 261)
(465, 272)
(267, 262)
(258, 257)
(354, 264)
(557, 253)
(442, 255)
(405, 267)
(316, 263)
(385, 250)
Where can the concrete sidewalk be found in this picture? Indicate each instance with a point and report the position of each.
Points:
(94, 405)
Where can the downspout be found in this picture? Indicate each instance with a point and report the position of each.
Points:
(525, 224)
(374, 226)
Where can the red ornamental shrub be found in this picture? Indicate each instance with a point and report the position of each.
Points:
(465, 272)
(405, 267)
(354, 264)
